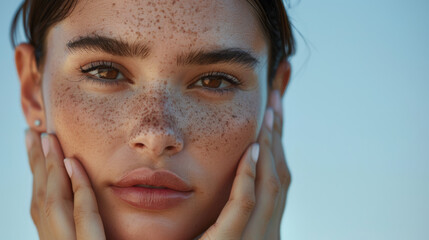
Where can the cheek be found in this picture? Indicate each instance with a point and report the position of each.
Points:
(84, 124)
(219, 136)
(224, 130)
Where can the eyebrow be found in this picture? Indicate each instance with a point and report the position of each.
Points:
(121, 48)
(229, 55)
(109, 45)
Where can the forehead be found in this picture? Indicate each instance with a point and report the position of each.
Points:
(190, 24)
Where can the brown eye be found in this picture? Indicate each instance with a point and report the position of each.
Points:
(212, 82)
(103, 70)
(216, 81)
(106, 73)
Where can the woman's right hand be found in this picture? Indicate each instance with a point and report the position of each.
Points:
(62, 207)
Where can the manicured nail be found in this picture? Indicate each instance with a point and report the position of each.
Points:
(28, 139)
(255, 152)
(68, 166)
(277, 102)
(269, 118)
(45, 143)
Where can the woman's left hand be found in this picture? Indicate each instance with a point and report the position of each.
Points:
(262, 219)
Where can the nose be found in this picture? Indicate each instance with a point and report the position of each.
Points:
(157, 142)
(156, 131)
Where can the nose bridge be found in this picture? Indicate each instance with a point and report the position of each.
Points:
(156, 131)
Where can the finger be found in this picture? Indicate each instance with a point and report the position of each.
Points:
(58, 207)
(280, 165)
(86, 215)
(277, 146)
(284, 179)
(267, 184)
(234, 217)
(37, 165)
(275, 102)
(280, 160)
(265, 135)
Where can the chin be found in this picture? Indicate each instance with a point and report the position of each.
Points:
(123, 222)
(149, 229)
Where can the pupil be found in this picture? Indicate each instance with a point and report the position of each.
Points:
(212, 83)
(108, 73)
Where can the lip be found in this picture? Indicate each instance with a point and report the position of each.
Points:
(173, 192)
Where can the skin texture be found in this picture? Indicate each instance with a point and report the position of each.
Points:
(157, 119)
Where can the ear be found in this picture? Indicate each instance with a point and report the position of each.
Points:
(281, 80)
(31, 86)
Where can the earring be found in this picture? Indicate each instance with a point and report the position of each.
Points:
(37, 123)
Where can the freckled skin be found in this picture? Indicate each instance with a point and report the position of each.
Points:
(105, 127)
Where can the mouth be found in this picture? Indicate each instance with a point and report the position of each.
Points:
(152, 190)
(149, 186)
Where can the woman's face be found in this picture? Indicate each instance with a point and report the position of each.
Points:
(173, 85)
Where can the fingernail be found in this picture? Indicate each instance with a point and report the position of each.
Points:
(45, 143)
(269, 118)
(255, 152)
(68, 166)
(277, 102)
(28, 139)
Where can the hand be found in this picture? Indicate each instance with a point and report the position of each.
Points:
(57, 212)
(258, 195)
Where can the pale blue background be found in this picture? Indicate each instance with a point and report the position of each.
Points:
(356, 133)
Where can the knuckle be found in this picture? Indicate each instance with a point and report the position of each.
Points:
(278, 125)
(284, 173)
(53, 209)
(39, 196)
(79, 217)
(34, 212)
(266, 139)
(49, 209)
(250, 171)
(82, 215)
(247, 205)
(34, 158)
(50, 167)
(273, 185)
(35, 154)
(50, 201)
(80, 188)
(287, 178)
(209, 235)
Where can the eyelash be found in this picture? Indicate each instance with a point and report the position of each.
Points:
(86, 69)
(226, 77)
(100, 65)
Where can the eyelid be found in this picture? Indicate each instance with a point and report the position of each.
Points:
(108, 64)
(228, 77)
(234, 81)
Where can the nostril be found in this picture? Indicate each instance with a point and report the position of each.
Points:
(169, 148)
(139, 145)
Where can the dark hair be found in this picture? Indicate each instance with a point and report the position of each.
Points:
(39, 15)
